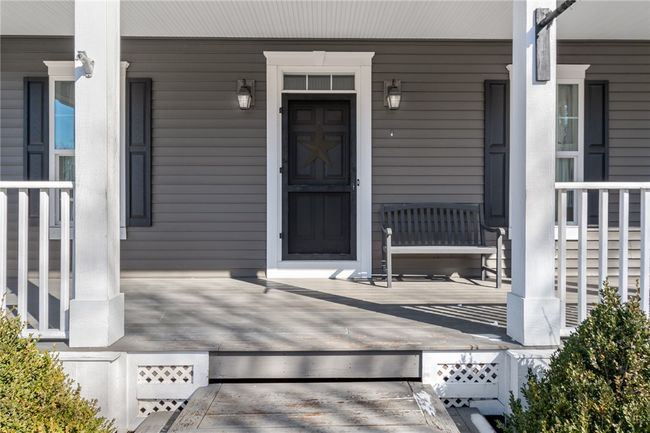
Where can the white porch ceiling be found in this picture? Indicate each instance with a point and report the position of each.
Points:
(363, 19)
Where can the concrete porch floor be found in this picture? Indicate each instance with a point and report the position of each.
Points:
(312, 315)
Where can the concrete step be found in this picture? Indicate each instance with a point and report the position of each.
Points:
(156, 422)
(315, 365)
(316, 407)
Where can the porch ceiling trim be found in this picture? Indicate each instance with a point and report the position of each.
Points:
(345, 19)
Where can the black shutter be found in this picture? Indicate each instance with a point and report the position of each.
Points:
(496, 133)
(138, 152)
(35, 134)
(596, 163)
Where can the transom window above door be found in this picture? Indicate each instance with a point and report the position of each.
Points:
(318, 82)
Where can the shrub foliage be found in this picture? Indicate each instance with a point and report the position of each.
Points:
(599, 381)
(36, 396)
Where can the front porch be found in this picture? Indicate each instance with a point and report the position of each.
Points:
(147, 214)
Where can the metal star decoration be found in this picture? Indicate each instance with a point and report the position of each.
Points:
(319, 147)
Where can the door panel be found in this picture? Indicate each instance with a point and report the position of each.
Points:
(319, 176)
(319, 223)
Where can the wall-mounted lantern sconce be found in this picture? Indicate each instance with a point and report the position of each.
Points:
(87, 63)
(392, 94)
(246, 94)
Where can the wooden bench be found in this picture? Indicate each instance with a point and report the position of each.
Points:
(437, 228)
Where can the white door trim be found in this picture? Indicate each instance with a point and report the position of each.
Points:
(359, 64)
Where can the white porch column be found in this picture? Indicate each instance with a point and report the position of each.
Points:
(97, 309)
(533, 309)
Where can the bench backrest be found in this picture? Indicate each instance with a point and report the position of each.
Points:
(434, 224)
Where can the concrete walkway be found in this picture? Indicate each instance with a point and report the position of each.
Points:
(342, 407)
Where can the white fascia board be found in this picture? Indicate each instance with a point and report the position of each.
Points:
(318, 58)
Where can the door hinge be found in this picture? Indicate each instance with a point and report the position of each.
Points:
(281, 170)
(281, 110)
(280, 235)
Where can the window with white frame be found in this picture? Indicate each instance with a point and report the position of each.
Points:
(63, 145)
(569, 127)
(62, 132)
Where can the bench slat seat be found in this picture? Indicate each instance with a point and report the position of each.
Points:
(437, 228)
(452, 249)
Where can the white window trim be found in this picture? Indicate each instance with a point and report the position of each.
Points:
(568, 74)
(357, 63)
(65, 71)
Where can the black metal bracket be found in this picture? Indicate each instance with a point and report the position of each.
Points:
(543, 20)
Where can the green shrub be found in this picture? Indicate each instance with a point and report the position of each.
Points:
(36, 396)
(599, 381)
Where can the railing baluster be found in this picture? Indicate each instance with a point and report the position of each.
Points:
(23, 253)
(561, 267)
(3, 250)
(645, 251)
(623, 236)
(64, 296)
(583, 195)
(603, 237)
(43, 261)
(45, 190)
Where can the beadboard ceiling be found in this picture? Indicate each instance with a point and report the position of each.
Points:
(357, 19)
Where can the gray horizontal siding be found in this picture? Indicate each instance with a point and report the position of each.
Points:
(436, 151)
(209, 158)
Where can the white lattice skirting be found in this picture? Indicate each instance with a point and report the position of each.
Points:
(148, 406)
(468, 372)
(471, 379)
(166, 374)
(456, 402)
(163, 382)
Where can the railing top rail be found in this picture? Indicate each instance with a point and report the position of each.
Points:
(601, 185)
(39, 184)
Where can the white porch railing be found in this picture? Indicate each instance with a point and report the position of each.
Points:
(581, 193)
(37, 323)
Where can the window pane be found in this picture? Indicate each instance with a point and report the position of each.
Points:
(567, 117)
(295, 82)
(64, 115)
(565, 172)
(66, 168)
(319, 82)
(342, 82)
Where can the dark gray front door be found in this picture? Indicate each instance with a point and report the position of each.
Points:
(319, 178)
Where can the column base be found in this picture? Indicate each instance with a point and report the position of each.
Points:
(534, 321)
(96, 323)
(517, 363)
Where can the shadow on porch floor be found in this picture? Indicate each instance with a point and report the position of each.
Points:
(219, 314)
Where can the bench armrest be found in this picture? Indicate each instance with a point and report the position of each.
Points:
(500, 231)
(387, 231)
